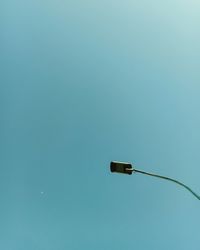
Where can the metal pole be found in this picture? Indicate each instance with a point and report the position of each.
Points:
(168, 179)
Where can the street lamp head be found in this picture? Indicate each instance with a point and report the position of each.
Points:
(121, 167)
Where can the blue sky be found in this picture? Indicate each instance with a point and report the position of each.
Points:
(84, 83)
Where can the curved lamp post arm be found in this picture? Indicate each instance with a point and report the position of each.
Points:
(168, 179)
(126, 168)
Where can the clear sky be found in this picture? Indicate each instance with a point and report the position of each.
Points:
(86, 82)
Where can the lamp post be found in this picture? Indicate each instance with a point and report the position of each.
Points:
(126, 168)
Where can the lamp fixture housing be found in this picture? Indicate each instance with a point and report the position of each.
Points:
(121, 167)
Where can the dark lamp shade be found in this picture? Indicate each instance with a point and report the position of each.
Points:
(121, 167)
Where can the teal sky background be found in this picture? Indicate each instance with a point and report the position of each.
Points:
(83, 83)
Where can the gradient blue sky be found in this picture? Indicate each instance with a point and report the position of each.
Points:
(87, 82)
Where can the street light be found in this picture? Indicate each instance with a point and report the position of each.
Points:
(126, 168)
